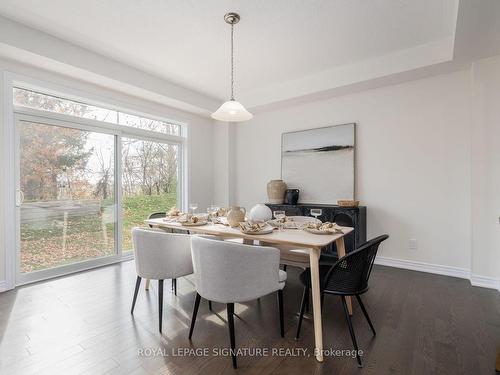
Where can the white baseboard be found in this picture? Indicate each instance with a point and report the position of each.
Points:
(3, 286)
(485, 282)
(462, 273)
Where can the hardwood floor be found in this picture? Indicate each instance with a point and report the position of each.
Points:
(81, 324)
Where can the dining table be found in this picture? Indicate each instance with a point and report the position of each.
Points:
(310, 242)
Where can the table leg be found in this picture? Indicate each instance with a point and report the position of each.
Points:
(316, 297)
(147, 284)
(341, 252)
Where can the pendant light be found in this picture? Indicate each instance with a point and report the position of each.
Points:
(232, 110)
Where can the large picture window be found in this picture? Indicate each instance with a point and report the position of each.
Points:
(83, 184)
(149, 181)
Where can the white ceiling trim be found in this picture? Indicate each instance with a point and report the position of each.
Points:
(30, 46)
(400, 61)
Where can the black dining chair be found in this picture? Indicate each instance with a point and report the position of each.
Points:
(347, 277)
(158, 215)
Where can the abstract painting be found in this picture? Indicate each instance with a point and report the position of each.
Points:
(320, 162)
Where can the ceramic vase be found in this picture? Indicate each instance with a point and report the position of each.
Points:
(276, 191)
(236, 215)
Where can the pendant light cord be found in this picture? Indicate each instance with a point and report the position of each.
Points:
(232, 61)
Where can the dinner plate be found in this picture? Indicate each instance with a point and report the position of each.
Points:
(317, 231)
(265, 230)
(287, 224)
(198, 224)
(170, 219)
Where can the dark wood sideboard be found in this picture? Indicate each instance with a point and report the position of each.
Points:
(346, 216)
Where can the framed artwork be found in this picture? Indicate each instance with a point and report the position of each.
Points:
(320, 162)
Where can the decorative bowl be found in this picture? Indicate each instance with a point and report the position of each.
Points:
(347, 203)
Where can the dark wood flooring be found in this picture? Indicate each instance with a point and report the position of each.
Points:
(81, 324)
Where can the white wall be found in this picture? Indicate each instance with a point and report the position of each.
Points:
(222, 163)
(413, 162)
(200, 133)
(486, 169)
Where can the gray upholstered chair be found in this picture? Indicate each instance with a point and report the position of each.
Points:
(158, 215)
(160, 256)
(229, 272)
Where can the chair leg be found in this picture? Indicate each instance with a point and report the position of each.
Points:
(137, 286)
(365, 313)
(305, 299)
(280, 306)
(210, 305)
(195, 312)
(307, 304)
(230, 320)
(160, 303)
(351, 331)
(174, 286)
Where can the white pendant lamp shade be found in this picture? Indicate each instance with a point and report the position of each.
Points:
(232, 111)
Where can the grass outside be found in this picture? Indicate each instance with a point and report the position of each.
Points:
(138, 208)
(43, 246)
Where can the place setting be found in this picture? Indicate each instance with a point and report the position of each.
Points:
(314, 226)
(248, 227)
(189, 219)
(323, 228)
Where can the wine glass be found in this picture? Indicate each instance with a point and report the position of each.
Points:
(193, 206)
(280, 216)
(212, 214)
(316, 212)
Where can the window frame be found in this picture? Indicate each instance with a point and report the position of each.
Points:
(119, 111)
(13, 113)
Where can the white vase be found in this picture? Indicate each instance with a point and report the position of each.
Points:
(260, 213)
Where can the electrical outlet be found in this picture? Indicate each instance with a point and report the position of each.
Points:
(413, 244)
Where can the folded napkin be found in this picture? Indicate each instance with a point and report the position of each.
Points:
(174, 211)
(324, 227)
(249, 226)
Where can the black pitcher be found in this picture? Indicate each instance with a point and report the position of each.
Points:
(292, 196)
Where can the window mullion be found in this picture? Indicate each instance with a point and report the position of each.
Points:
(118, 194)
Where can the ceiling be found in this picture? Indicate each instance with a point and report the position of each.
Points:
(312, 43)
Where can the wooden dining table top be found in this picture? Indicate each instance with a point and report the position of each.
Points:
(287, 236)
